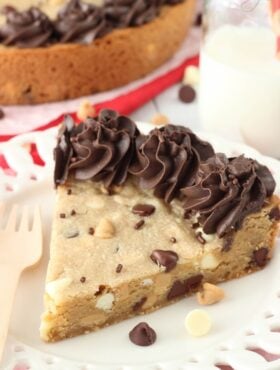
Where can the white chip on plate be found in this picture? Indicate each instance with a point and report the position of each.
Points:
(198, 323)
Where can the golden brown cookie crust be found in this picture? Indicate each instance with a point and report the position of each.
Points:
(66, 71)
(84, 289)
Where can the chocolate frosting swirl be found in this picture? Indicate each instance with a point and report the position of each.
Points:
(77, 21)
(226, 191)
(168, 159)
(129, 13)
(30, 28)
(100, 149)
(81, 22)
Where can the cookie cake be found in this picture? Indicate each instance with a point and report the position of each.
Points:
(142, 221)
(53, 50)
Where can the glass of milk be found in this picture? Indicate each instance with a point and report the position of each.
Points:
(240, 74)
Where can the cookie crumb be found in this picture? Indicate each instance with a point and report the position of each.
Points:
(191, 76)
(83, 279)
(173, 240)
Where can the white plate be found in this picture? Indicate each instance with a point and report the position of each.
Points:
(243, 320)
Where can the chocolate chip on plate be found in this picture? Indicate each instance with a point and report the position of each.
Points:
(143, 335)
(139, 224)
(260, 256)
(143, 210)
(187, 94)
(168, 259)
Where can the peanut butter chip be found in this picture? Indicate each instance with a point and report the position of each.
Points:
(85, 110)
(160, 119)
(210, 294)
(105, 229)
(198, 323)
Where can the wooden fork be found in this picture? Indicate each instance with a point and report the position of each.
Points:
(19, 248)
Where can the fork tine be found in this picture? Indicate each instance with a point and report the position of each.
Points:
(24, 224)
(37, 224)
(11, 223)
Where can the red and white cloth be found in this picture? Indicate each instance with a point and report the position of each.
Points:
(19, 119)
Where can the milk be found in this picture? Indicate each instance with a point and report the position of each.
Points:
(240, 86)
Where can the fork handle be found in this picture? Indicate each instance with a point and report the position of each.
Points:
(9, 277)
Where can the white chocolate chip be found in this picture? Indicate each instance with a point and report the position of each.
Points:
(198, 323)
(96, 202)
(85, 110)
(147, 282)
(56, 287)
(191, 76)
(209, 262)
(207, 237)
(210, 294)
(105, 229)
(159, 119)
(105, 302)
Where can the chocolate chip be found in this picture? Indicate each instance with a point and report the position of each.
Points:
(70, 234)
(139, 304)
(195, 225)
(73, 212)
(274, 214)
(139, 224)
(83, 279)
(200, 238)
(198, 20)
(69, 191)
(227, 242)
(2, 114)
(187, 94)
(180, 288)
(101, 289)
(143, 335)
(91, 231)
(119, 268)
(260, 256)
(193, 282)
(62, 215)
(173, 240)
(168, 259)
(143, 210)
